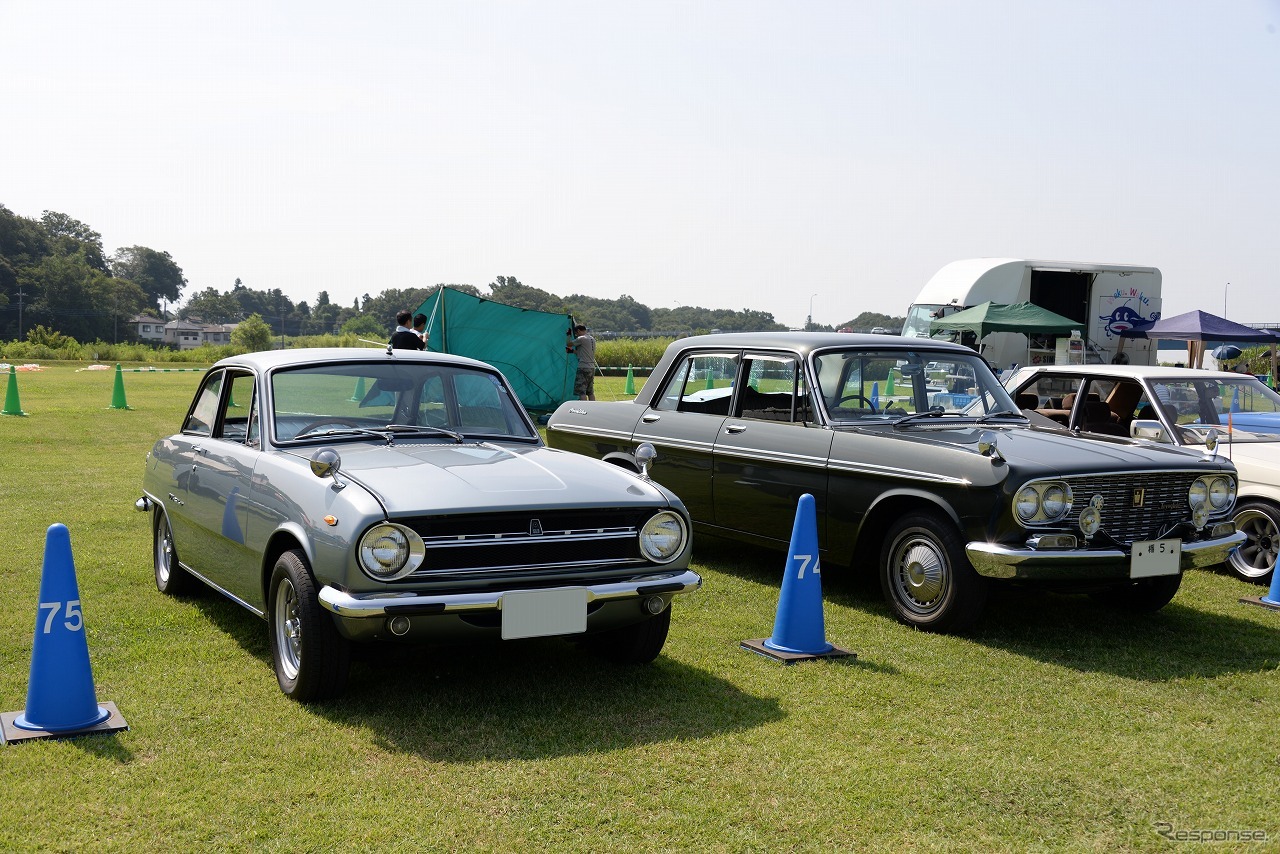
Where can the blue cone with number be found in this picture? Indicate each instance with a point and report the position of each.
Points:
(798, 627)
(60, 694)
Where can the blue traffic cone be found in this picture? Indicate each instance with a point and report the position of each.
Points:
(1272, 599)
(60, 693)
(799, 631)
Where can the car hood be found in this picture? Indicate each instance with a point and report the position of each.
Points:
(1256, 461)
(1060, 452)
(408, 478)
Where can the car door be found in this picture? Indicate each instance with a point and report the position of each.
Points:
(179, 454)
(220, 496)
(683, 423)
(770, 451)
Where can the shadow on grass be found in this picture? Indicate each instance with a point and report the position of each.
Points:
(530, 699)
(1072, 630)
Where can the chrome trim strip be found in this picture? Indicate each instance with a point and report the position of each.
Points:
(593, 432)
(444, 541)
(374, 605)
(516, 567)
(222, 590)
(904, 474)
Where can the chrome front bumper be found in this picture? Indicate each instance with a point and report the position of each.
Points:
(994, 560)
(380, 605)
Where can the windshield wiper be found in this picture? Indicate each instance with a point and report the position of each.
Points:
(341, 431)
(931, 412)
(425, 428)
(1002, 413)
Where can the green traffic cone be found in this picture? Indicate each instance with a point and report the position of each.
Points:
(711, 383)
(117, 394)
(12, 406)
(358, 394)
(631, 382)
(888, 385)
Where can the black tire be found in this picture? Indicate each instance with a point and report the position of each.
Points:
(171, 578)
(310, 657)
(638, 643)
(927, 578)
(1144, 596)
(1255, 559)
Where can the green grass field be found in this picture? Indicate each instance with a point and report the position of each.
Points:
(1056, 725)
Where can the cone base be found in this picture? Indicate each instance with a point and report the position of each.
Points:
(1261, 600)
(760, 647)
(10, 732)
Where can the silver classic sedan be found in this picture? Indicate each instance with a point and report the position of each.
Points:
(368, 495)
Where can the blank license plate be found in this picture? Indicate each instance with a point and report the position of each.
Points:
(1155, 557)
(538, 613)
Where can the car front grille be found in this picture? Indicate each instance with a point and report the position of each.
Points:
(531, 546)
(1137, 506)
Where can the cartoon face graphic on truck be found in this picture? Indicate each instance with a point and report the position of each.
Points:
(1122, 319)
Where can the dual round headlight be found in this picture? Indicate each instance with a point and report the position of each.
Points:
(1216, 493)
(1043, 501)
(388, 552)
(663, 537)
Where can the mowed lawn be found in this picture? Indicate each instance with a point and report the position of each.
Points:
(1055, 725)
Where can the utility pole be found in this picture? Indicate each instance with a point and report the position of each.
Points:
(21, 294)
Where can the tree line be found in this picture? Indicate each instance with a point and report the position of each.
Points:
(56, 277)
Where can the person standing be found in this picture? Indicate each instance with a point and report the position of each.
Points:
(420, 329)
(405, 338)
(584, 382)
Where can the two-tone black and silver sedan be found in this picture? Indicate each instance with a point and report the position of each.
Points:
(358, 495)
(921, 466)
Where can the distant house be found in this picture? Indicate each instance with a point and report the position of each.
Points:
(148, 329)
(189, 334)
(180, 334)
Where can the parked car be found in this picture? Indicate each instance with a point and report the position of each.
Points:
(367, 495)
(920, 465)
(1179, 406)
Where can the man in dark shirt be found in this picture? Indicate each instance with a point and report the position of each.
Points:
(405, 338)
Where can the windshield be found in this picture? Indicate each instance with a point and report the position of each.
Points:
(918, 318)
(1242, 406)
(404, 399)
(868, 386)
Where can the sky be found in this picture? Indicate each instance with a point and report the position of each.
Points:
(799, 157)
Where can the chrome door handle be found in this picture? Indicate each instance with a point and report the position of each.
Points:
(735, 428)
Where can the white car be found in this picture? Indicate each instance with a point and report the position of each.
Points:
(1179, 406)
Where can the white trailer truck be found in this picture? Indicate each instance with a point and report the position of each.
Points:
(1106, 298)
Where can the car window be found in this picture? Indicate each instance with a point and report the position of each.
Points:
(701, 383)
(871, 385)
(204, 410)
(774, 389)
(239, 422)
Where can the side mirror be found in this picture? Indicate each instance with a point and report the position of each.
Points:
(1152, 431)
(326, 462)
(645, 454)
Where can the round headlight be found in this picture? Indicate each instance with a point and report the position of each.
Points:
(1200, 515)
(1027, 503)
(1056, 501)
(1221, 492)
(663, 537)
(1198, 493)
(388, 552)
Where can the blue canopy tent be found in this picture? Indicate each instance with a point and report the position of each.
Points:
(1197, 327)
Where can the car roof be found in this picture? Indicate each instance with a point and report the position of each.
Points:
(1135, 372)
(808, 342)
(266, 360)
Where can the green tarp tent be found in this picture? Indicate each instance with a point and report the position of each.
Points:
(1023, 317)
(527, 346)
